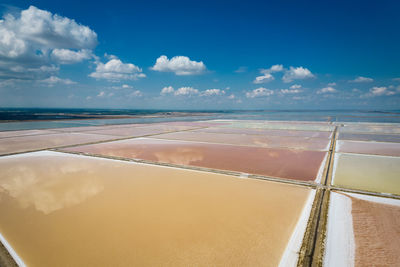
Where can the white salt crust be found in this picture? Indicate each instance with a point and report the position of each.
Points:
(291, 253)
(340, 244)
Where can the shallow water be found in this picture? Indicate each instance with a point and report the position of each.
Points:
(370, 137)
(69, 210)
(142, 130)
(365, 128)
(280, 126)
(8, 134)
(251, 140)
(266, 132)
(367, 172)
(283, 163)
(36, 142)
(375, 148)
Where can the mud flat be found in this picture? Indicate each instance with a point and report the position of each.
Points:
(374, 148)
(71, 210)
(283, 163)
(250, 140)
(370, 137)
(362, 231)
(367, 172)
(36, 142)
(266, 132)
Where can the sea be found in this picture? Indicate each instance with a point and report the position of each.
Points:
(12, 119)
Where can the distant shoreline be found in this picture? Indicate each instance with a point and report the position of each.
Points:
(74, 116)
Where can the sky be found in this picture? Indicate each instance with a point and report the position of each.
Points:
(200, 54)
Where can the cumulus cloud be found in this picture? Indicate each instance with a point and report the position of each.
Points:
(290, 91)
(295, 86)
(267, 76)
(180, 65)
(136, 93)
(332, 84)
(32, 41)
(211, 92)
(259, 92)
(361, 79)
(264, 78)
(275, 68)
(298, 73)
(326, 90)
(186, 91)
(231, 96)
(115, 70)
(101, 94)
(380, 91)
(396, 79)
(67, 56)
(52, 80)
(167, 90)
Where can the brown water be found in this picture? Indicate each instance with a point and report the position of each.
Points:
(269, 132)
(67, 210)
(250, 140)
(36, 142)
(375, 148)
(376, 233)
(283, 163)
(367, 172)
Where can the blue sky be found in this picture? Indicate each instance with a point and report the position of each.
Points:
(200, 55)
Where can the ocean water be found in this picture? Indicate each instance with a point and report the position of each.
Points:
(26, 119)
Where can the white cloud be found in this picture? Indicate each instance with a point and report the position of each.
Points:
(396, 79)
(332, 84)
(180, 65)
(186, 91)
(259, 92)
(290, 91)
(380, 91)
(326, 90)
(119, 87)
(167, 90)
(231, 96)
(67, 56)
(211, 92)
(101, 94)
(275, 68)
(298, 73)
(136, 93)
(267, 76)
(115, 70)
(361, 79)
(52, 80)
(263, 78)
(29, 40)
(295, 86)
